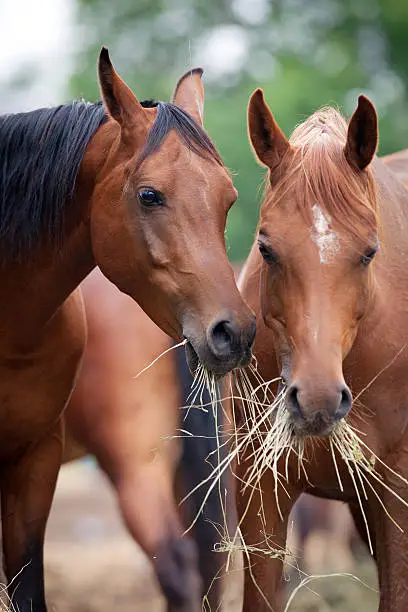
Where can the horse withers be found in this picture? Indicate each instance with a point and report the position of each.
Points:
(141, 191)
(328, 278)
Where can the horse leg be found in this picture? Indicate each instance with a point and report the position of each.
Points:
(147, 504)
(27, 490)
(260, 519)
(392, 551)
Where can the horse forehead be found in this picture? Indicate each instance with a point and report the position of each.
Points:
(204, 176)
(177, 158)
(312, 231)
(322, 234)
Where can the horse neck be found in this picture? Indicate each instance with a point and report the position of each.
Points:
(393, 211)
(32, 291)
(45, 280)
(391, 269)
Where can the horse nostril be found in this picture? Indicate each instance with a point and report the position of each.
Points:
(293, 401)
(224, 338)
(346, 402)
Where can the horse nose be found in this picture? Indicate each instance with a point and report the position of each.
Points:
(224, 338)
(227, 338)
(292, 401)
(346, 402)
(333, 404)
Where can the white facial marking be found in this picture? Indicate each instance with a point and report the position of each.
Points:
(323, 236)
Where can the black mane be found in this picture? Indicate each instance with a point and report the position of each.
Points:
(172, 117)
(40, 155)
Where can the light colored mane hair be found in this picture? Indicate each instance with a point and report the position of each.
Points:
(315, 169)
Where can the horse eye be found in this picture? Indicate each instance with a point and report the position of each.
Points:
(368, 256)
(268, 254)
(150, 197)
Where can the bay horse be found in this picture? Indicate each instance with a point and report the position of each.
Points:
(141, 191)
(328, 279)
(141, 438)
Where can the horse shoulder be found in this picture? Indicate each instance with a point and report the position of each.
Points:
(36, 382)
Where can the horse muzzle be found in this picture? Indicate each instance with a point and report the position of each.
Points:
(315, 412)
(226, 346)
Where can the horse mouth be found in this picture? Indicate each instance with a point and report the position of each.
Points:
(313, 427)
(201, 357)
(216, 369)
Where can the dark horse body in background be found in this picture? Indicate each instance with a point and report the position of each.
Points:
(153, 452)
(142, 193)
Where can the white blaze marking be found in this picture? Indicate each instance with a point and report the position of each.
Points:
(323, 236)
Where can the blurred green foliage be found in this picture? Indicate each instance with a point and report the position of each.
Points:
(303, 53)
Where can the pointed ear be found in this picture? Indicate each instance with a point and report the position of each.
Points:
(189, 94)
(119, 100)
(362, 135)
(268, 140)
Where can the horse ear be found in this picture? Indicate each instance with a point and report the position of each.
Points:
(269, 142)
(119, 100)
(362, 135)
(189, 94)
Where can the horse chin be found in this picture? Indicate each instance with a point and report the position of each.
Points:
(313, 429)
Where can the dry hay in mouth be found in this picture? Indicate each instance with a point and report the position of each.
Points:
(268, 439)
(280, 441)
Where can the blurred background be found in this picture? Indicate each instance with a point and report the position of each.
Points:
(304, 53)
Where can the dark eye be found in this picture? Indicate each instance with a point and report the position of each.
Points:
(268, 254)
(368, 256)
(150, 197)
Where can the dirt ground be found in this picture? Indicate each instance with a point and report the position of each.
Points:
(92, 565)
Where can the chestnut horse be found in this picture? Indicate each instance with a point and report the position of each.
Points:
(140, 437)
(143, 193)
(328, 278)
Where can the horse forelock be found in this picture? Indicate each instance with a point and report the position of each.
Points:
(172, 117)
(316, 171)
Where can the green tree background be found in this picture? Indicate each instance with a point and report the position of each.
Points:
(303, 53)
